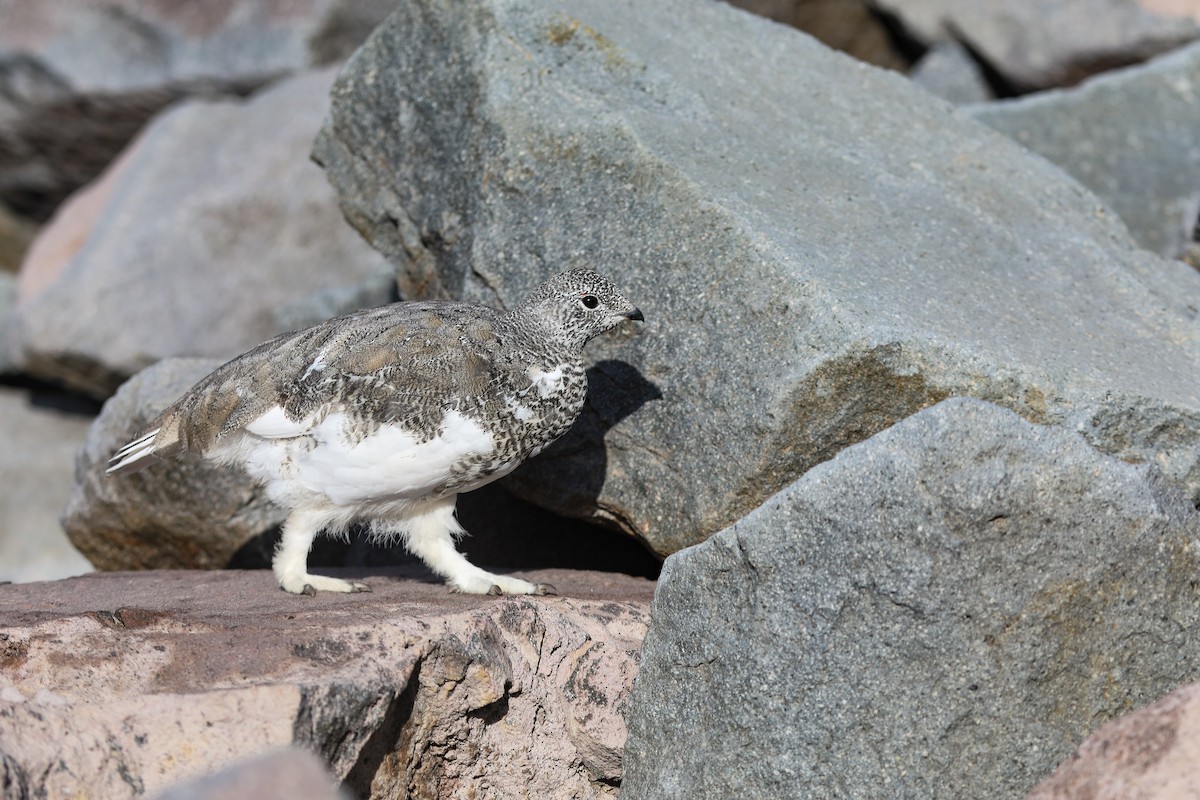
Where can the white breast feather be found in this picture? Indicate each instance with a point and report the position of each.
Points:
(547, 383)
(389, 464)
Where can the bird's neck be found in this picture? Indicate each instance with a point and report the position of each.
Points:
(536, 324)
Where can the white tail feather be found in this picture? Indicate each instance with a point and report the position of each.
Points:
(135, 455)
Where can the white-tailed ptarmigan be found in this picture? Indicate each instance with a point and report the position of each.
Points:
(386, 415)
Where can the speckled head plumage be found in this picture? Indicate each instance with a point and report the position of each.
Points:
(575, 306)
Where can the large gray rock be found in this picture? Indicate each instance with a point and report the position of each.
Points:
(1129, 136)
(1037, 44)
(36, 462)
(216, 233)
(943, 611)
(180, 514)
(817, 258)
(78, 78)
(948, 70)
(118, 686)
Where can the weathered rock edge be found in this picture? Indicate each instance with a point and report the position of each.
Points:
(817, 258)
(121, 684)
(943, 611)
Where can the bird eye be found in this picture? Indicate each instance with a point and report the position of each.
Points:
(589, 301)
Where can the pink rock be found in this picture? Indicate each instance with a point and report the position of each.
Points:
(1151, 753)
(122, 684)
(68, 230)
(211, 234)
(1172, 8)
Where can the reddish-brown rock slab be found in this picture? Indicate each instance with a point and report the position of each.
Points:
(1152, 753)
(121, 684)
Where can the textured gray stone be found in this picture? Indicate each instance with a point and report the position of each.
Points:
(1038, 44)
(217, 233)
(1129, 136)
(816, 257)
(183, 514)
(948, 70)
(945, 610)
(121, 685)
(36, 463)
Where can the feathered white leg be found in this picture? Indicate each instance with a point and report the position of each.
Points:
(429, 534)
(291, 558)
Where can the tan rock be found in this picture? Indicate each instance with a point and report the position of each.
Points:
(118, 685)
(1151, 753)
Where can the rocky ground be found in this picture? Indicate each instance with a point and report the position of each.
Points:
(912, 420)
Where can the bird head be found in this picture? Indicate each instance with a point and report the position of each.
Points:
(578, 305)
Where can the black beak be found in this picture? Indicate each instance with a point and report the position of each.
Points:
(635, 315)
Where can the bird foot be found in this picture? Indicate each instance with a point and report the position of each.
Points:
(497, 586)
(311, 584)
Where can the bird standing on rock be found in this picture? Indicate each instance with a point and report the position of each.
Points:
(386, 415)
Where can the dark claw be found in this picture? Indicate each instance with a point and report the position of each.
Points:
(309, 590)
(494, 590)
(361, 587)
(545, 589)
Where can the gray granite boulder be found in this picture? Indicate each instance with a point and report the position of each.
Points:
(948, 70)
(945, 610)
(1129, 136)
(817, 258)
(216, 232)
(78, 79)
(180, 514)
(1038, 44)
